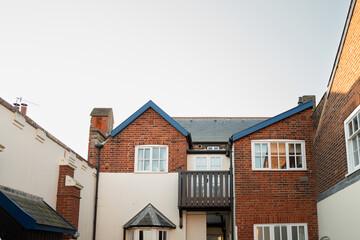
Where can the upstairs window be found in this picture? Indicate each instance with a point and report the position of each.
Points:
(151, 158)
(278, 155)
(208, 163)
(213, 148)
(352, 135)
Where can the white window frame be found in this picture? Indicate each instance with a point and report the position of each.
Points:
(151, 147)
(349, 153)
(288, 225)
(213, 148)
(286, 141)
(134, 234)
(208, 162)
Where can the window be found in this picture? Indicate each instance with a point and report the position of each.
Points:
(208, 163)
(213, 148)
(297, 231)
(148, 234)
(278, 155)
(352, 135)
(151, 158)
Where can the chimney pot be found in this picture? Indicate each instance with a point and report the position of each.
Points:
(300, 101)
(17, 106)
(23, 108)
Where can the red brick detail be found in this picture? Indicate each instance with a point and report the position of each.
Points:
(263, 197)
(68, 198)
(150, 128)
(344, 97)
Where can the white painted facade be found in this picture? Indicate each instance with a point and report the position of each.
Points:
(338, 214)
(29, 162)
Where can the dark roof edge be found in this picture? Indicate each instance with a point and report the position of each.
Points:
(149, 104)
(272, 120)
(341, 45)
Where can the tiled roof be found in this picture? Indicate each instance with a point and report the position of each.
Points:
(149, 217)
(216, 129)
(32, 212)
(101, 112)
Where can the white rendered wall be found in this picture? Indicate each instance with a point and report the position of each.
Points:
(338, 214)
(123, 195)
(32, 165)
(196, 226)
(191, 161)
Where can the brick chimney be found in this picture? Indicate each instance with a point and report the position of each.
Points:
(307, 98)
(23, 108)
(101, 125)
(17, 106)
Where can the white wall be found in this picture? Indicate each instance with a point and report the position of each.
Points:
(123, 195)
(30, 163)
(338, 214)
(196, 225)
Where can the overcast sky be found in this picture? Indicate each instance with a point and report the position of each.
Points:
(234, 58)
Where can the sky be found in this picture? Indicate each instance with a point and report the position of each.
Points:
(228, 58)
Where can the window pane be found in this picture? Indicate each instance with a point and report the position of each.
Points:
(355, 123)
(298, 149)
(266, 233)
(274, 162)
(273, 147)
(258, 162)
(146, 165)
(201, 163)
(355, 144)
(265, 162)
(215, 163)
(141, 235)
(147, 235)
(155, 166)
(163, 153)
(257, 149)
(165, 235)
(160, 235)
(264, 149)
(259, 233)
(147, 154)
(277, 233)
(141, 154)
(162, 165)
(284, 233)
(282, 162)
(282, 149)
(301, 233)
(294, 233)
(292, 162)
(291, 149)
(299, 162)
(350, 128)
(140, 165)
(356, 158)
(155, 153)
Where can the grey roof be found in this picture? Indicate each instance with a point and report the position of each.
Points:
(101, 112)
(36, 208)
(216, 129)
(149, 217)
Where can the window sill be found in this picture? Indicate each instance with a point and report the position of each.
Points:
(280, 170)
(151, 172)
(351, 173)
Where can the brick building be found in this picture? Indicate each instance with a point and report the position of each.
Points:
(337, 139)
(207, 178)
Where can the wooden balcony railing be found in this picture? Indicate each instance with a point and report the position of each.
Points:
(204, 189)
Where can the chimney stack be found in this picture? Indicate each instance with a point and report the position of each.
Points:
(23, 108)
(307, 98)
(17, 106)
(101, 125)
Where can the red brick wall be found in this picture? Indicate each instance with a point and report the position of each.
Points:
(275, 196)
(118, 154)
(68, 198)
(329, 144)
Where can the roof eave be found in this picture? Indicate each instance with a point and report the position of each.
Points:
(272, 120)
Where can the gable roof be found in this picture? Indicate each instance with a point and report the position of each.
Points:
(149, 216)
(215, 129)
(32, 213)
(272, 120)
(143, 109)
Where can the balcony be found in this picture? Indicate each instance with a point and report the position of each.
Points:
(204, 190)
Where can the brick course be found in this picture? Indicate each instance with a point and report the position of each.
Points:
(275, 196)
(118, 154)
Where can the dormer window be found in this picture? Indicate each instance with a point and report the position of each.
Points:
(151, 158)
(213, 148)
